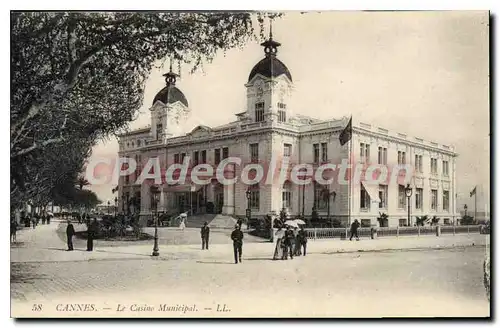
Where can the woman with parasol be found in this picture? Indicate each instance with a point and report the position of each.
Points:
(280, 243)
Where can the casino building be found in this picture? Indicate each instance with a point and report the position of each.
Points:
(270, 127)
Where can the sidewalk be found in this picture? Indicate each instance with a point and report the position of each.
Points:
(43, 245)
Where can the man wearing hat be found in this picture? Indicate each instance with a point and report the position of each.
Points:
(70, 232)
(237, 238)
(205, 233)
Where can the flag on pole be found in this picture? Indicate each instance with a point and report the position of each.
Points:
(473, 192)
(346, 134)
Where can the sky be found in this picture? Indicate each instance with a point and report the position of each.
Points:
(421, 73)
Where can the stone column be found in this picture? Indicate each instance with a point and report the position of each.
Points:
(145, 199)
(161, 206)
(228, 208)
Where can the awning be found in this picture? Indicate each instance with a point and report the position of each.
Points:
(372, 190)
(182, 188)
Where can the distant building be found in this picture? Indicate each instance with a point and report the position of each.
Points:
(268, 127)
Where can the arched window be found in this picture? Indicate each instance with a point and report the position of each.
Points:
(286, 195)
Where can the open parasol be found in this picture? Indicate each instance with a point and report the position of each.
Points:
(299, 221)
(292, 223)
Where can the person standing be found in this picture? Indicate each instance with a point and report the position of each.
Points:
(70, 232)
(13, 230)
(205, 234)
(354, 229)
(289, 243)
(278, 250)
(237, 238)
(91, 234)
(303, 239)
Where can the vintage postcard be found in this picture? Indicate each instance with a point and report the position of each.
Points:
(330, 164)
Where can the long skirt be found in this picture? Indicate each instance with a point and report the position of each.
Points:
(278, 251)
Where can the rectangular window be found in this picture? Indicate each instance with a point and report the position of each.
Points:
(287, 150)
(366, 223)
(382, 195)
(159, 131)
(259, 112)
(382, 155)
(418, 163)
(364, 153)
(203, 156)
(176, 159)
(281, 116)
(127, 179)
(320, 201)
(254, 198)
(401, 157)
(402, 222)
(364, 199)
(446, 200)
(225, 153)
(434, 198)
(254, 152)
(446, 167)
(281, 106)
(286, 198)
(446, 221)
(183, 155)
(196, 158)
(324, 152)
(401, 197)
(217, 156)
(316, 153)
(418, 198)
(433, 165)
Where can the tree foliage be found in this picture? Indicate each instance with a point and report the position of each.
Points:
(467, 220)
(78, 77)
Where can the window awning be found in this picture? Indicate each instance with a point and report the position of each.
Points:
(183, 188)
(372, 191)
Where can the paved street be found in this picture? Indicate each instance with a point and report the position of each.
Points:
(439, 282)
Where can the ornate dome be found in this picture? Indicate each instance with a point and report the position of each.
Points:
(270, 66)
(170, 94)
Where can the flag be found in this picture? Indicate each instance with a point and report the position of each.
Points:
(473, 192)
(346, 134)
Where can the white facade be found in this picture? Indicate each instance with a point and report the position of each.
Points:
(270, 126)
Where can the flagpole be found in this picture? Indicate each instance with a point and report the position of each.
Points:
(350, 174)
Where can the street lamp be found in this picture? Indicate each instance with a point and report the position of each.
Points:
(154, 191)
(409, 192)
(249, 213)
(123, 204)
(465, 209)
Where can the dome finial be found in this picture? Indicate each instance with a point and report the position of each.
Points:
(170, 77)
(270, 28)
(270, 46)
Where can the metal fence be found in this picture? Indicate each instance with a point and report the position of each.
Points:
(343, 233)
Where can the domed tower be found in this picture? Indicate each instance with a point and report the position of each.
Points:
(269, 86)
(168, 106)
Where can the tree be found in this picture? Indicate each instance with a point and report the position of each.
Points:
(467, 220)
(421, 220)
(435, 220)
(383, 219)
(79, 77)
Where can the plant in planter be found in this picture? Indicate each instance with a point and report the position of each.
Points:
(435, 220)
(467, 220)
(383, 220)
(421, 220)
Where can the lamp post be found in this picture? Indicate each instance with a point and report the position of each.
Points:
(248, 212)
(109, 203)
(409, 192)
(154, 191)
(465, 209)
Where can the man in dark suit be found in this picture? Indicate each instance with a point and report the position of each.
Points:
(70, 232)
(237, 238)
(205, 234)
(289, 243)
(92, 231)
(303, 239)
(354, 229)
